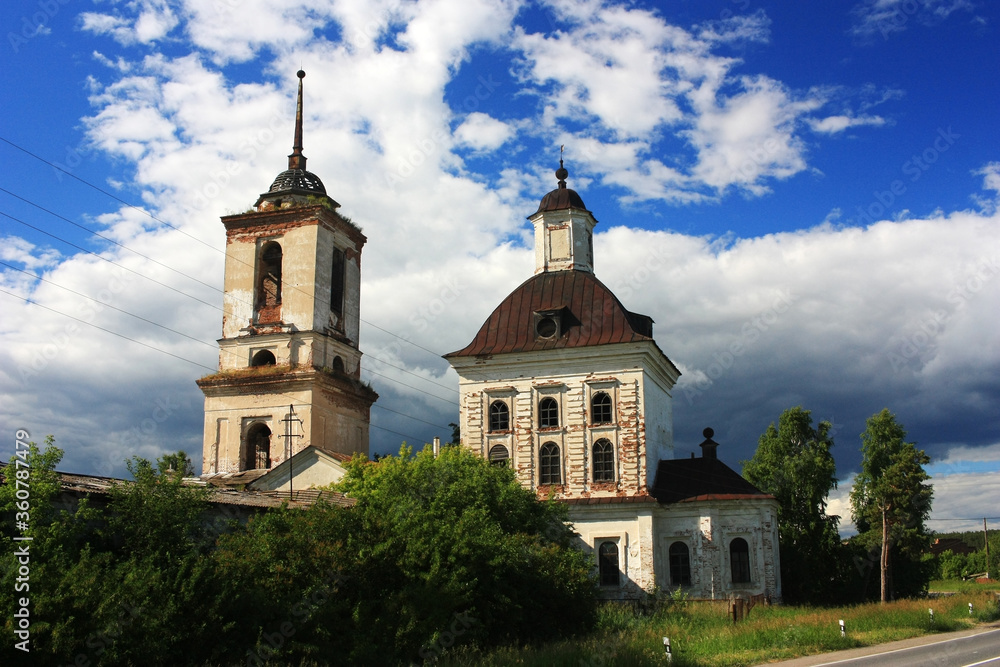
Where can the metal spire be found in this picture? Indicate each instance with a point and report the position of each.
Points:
(297, 160)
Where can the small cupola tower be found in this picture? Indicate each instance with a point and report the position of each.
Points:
(564, 230)
(290, 327)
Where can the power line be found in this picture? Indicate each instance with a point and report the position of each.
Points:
(195, 363)
(109, 240)
(61, 239)
(113, 333)
(167, 224)
(105, 259)
(108, 305)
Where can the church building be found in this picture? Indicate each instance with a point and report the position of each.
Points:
(289, 362)
(562, 383)
(570, 389)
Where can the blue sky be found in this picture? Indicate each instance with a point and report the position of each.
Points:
(812, 185)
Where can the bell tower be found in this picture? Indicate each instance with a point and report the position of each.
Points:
(290, 327)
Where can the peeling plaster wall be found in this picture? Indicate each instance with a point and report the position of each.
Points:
(570, 376)
(708, 527)
(630, 527)
(333, 406)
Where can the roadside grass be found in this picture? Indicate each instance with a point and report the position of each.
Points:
(959, 586)
(703, 635)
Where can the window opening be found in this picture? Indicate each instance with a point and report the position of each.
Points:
(739, 559)
(499, 455)
(549, 458)
(337, 280)
(269, 288)
(548, 413)
(258, 450)
(263, 358)
(604, 461)
(607, 564)
(601, 412)
(499, 417)
(680, 564)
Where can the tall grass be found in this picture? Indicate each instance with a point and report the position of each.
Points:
(703, 634)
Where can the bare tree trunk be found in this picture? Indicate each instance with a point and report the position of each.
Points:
(884, 562)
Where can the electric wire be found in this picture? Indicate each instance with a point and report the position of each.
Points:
(109, 240)
(214, 346)
(294, 287)
(113, 333)
(167, 224)
(105, 259)
(61, 239)
(175, 356)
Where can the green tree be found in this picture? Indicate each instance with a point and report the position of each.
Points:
(463, 537)
(890, 502)
(794, 464)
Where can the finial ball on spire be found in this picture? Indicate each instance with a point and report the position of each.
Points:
(301, 74)
(708, 433)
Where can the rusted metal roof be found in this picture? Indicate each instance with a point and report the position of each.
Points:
(680, 480)
(561, 198)
(591, 315)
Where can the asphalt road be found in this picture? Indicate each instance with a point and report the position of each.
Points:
(968, 648)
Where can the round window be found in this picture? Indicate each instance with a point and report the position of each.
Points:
(546, 327)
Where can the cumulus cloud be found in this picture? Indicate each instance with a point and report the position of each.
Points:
(840, 319)
(482, 132)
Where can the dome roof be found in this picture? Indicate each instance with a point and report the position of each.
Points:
(590, 315)
(297, 179)
(562, 197)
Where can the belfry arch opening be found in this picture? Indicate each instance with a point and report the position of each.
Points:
(268, 299)
(263, 358)
(258, 447)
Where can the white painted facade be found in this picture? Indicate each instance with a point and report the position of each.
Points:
(517, 369)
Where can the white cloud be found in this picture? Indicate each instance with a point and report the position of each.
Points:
(754, 27)
(834, 124)
(28, 255)
(481, 132)
(445, 246)
(148, 21)
(886, 17)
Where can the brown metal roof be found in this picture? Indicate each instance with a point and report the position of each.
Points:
(702, 478)
(561, 198)
(591, 315)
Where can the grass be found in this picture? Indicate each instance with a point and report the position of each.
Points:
(702, 634)
(959, 586)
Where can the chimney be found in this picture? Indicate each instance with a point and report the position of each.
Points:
(708, 447)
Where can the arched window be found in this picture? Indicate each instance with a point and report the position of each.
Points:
(269, 279)
(263, 358)
(548, 413)
(258, 450)
(499, 417)
(601, 412)
(337, 284)
(604, 461)
(739, 560)
(680, 565)
(548, 457)
(607, 564)
(338, 365)
(499, 455)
